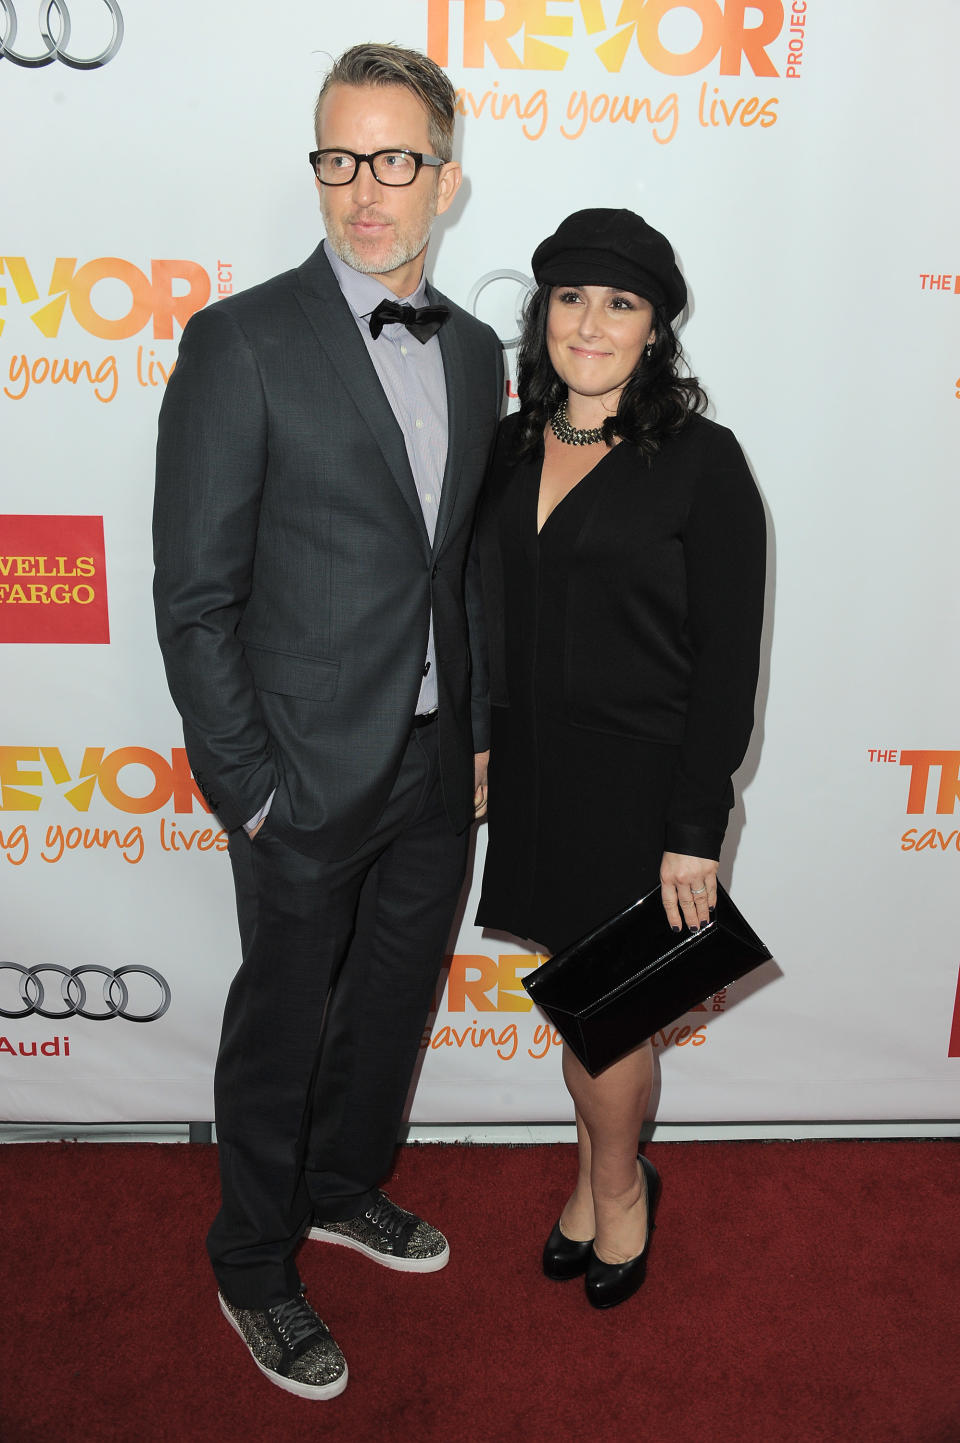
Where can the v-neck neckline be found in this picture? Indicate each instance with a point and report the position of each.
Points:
(566, 496)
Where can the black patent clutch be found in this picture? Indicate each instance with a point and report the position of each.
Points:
(633, 975)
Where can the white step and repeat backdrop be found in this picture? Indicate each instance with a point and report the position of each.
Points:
(802, 157)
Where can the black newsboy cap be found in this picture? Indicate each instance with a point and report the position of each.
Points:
(603, 247)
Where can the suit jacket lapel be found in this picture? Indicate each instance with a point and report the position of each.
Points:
(336, 330)
(455, 377)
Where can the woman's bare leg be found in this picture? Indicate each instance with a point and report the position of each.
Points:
(577, 1221)
(609, 1201)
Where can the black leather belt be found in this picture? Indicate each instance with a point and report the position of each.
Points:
(424, 718)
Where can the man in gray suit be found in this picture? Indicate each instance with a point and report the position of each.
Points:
(321, 451)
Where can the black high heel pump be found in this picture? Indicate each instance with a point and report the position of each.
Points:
(610, 1283)
(565, 1258)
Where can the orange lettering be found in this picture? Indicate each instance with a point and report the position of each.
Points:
(462, 987)
(511, 996)
(109, 774)
(920, 763)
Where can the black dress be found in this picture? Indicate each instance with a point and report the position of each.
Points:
(624, 643)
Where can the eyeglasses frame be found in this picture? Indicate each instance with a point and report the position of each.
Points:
(420, 159)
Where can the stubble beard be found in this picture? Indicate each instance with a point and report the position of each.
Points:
(405, 248)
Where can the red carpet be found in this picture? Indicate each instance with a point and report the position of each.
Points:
(797, 1293)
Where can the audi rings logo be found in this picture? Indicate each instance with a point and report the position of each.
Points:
(108, 997)
(55, 28)
(507, 306)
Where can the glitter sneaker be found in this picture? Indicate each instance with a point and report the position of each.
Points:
(388, 1235)
(291, 1346)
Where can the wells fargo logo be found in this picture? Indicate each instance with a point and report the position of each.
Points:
(933, 786)
(954, 1048)
(524, 36)
(53, 580)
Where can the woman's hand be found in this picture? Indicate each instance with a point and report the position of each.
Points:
(480, 761)
(688, 886)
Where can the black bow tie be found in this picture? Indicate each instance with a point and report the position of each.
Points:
(422, 322)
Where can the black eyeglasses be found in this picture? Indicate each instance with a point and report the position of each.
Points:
(389, 167)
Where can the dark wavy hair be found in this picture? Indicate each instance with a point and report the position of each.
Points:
(654, 403)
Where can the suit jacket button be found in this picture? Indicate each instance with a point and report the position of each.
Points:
(434, 573)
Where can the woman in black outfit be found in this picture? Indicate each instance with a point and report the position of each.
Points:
(623, 543)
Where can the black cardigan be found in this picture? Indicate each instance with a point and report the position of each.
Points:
(662, 634)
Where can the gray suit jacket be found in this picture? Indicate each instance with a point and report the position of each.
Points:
(294, 575)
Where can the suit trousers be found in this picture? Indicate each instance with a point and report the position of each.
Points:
(323, 1023)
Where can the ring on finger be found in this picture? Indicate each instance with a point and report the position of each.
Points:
(698, 891)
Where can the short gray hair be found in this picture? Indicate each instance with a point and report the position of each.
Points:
(381, 65)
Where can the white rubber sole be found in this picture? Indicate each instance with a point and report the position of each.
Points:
(386, 1260)
(318, 1391)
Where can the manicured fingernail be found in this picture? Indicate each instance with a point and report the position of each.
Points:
(694, 929)
(713, 911)
(675, 929)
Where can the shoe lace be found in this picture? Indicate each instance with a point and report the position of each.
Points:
(296, 1322)
(388, 1218)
